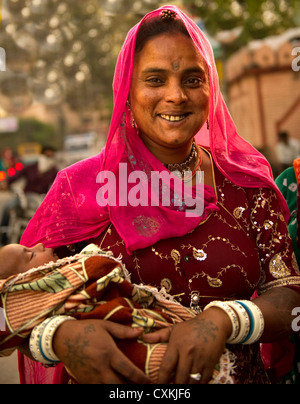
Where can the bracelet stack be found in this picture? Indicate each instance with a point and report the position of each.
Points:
(246, 319)
(41, 338)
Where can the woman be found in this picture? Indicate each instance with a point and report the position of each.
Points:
(166, 94)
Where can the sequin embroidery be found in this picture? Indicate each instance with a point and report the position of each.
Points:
(278, 268)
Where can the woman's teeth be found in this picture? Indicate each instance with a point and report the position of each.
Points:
(173, 118)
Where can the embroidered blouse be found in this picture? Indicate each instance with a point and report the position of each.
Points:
(241, 248)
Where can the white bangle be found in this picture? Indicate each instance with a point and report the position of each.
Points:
(246, 318)
(245, 322)
(231, 314)
(41, 340)
(258, 321)
(48, 334)
(34, 343)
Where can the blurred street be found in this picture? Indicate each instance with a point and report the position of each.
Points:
(9, 370)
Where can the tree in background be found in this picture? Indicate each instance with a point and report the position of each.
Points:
(64, 51)
(30, 130)
(245, 19)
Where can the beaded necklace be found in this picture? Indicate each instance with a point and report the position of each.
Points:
(185, 166)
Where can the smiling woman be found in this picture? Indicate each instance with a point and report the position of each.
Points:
(169, 95)
(165, 89)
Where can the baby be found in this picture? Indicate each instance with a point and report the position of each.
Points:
(16, 259)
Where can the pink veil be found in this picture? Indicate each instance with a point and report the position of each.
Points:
(70, 212)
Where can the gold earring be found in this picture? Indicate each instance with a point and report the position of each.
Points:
(132, 121)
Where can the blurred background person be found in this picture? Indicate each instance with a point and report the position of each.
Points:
(8, 162)
(286, 356)
(288, 150)
(38, 177)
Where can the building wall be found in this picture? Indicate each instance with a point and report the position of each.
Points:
(263, 93)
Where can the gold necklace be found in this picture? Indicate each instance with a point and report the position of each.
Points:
(185, 166)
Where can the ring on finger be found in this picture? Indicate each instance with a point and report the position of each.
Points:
(196, 376)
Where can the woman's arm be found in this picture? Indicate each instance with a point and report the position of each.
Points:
(196, 346)
(277, 305)
(25, 350)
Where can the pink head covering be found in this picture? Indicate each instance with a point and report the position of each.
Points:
(70, 212)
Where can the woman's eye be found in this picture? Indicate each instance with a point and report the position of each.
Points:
(195, 81)
(154, 81)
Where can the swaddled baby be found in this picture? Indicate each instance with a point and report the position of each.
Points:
(90, 285)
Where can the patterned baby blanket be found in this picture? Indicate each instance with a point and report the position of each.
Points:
(96, 285)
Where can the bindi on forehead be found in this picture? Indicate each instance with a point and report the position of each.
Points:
(176, 65)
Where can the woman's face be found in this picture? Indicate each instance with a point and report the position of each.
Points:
(169, 93)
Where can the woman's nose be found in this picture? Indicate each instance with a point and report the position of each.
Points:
(176, 94)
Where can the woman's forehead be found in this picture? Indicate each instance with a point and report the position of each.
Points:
(172, 50)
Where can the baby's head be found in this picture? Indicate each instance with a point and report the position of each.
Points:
(16, 259)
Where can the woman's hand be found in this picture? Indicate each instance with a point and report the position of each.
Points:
(88, 350)
(194, 346)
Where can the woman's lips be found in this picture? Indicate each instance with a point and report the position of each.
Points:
(173, 118)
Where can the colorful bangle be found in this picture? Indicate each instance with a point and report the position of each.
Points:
(246, 318)
(258, 322)
(245, 324)
(251, 321)
(231, 314)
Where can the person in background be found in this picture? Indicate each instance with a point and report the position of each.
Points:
(8, 163)
(288, 150)
(297, 171)
(38, 176)
(282, 359)
(287, 183)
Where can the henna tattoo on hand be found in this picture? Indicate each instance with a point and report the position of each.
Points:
(89, 329)
(206, 330)
(76, 356)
